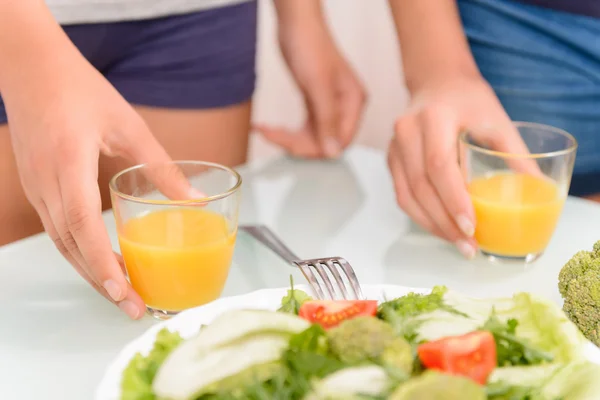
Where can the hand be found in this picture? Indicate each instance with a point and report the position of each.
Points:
(59, 124)
(334, 96)
(423, 155)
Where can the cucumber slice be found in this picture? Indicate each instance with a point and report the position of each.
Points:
(189, 377)
(230, 344)
(237, 324)
(351, 383)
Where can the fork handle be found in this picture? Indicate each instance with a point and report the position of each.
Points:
(264, 235)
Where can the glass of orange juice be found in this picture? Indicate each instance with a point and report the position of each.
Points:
(177, 225)
(518, 190)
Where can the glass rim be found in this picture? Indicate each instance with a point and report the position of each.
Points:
(202, 200)
(519, 124)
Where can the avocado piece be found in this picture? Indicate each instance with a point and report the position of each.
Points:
(437, 386)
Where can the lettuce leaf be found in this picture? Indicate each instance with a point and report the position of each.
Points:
(292, 302)
(572, 381)
(139, 373)
(541, 323)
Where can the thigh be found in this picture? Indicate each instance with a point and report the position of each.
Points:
(18, 219)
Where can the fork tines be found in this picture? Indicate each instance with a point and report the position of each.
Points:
(327, 268)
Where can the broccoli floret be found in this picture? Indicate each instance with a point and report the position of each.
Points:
(367, 339)
(398, 354)
(579, 285)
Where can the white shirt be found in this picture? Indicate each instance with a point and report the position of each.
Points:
(93, 11)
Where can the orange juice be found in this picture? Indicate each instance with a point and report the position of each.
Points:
(516, 214)
(177, 258)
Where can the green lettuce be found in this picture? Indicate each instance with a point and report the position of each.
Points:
(141, 370)
(539, 323)
(577, 380)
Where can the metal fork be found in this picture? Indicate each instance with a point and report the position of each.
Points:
(323, 286)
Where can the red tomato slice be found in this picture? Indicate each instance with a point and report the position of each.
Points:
(330, 313)
(472, 355)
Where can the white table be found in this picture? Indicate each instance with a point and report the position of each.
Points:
(57, 334)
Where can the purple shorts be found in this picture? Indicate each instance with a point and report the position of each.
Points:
(200, 60)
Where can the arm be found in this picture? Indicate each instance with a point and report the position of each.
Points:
(432, 41)
(333, 94)
(448, 95)
(32, 44)
(62, 114)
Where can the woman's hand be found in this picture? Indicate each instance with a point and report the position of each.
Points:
(333, 94)
(423, 154)
(61, 117)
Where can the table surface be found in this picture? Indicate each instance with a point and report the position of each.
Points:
(57, 335)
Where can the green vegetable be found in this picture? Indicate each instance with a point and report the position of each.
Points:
(294, 299)
(361, 339)
(436, 386)
(352, 383)
(309, 354)
(541, 324)
(579, 285)
(414, 304)
(572, 381)
(405, 314)
(369, 340)
(503, 391)
(141, 370)
(545, 326)
(510, 349)
(203, 363)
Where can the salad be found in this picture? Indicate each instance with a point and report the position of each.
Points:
(441, 345)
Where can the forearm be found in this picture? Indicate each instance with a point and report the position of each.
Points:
(31, 43)
(298, 11)
(432, 41)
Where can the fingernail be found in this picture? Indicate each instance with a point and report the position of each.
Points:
(332, 148)
(465, 225)
(130, 309)
(196, 194)
(466, 249)
(113, 290)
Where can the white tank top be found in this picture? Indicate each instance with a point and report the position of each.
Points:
(93, 11)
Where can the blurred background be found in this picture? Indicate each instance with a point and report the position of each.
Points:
(365, 33)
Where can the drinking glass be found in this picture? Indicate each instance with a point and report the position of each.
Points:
(177, 248)
(517, 192)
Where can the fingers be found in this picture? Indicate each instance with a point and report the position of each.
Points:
(68, 253)
(404, 195)
(141, 147)
(83, 223)
(324, 116)
(440, 146)
(425, 204)
(505, 137)
(351, 105)
(411, 147)
(299, 144)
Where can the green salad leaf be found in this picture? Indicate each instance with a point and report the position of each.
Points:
(141, 370)
(294, 299)
(405, 313)
(309, 355)
(510, 349)
(576, 380)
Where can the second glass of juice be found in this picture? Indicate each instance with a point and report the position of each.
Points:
(177, 224)
(518, 187)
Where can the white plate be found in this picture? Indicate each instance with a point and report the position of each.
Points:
(188, 323)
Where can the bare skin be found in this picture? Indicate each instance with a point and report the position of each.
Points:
(217, 135)
(70, 131)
